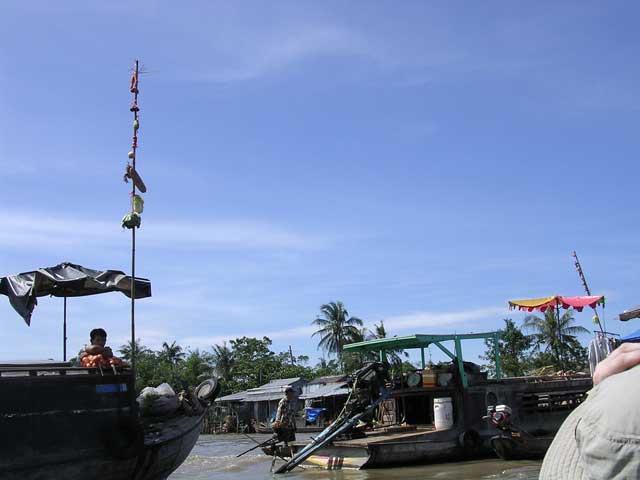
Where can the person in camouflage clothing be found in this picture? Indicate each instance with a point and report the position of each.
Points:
(284, 425)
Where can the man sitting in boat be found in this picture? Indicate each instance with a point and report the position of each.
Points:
(97, 354)
(284, 425)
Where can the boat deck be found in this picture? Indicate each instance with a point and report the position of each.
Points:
(377, 437)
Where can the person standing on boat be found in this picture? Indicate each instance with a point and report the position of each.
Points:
(284, 425)
(98, 339)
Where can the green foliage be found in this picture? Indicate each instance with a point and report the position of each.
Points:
(223, 360)
(245, 363)
(393, 357)
(136, 348)
(249, 362)
(575, 357)
(554, 336)
(522, 354)
(195, 368)
(326, 368)
(254, 364)
(336, 329)
(514, 349)
(170, 364)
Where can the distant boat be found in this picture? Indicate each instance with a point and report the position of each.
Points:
(412, 429)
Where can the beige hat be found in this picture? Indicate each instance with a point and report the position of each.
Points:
(601, 438)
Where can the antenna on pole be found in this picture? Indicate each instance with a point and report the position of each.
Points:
(596, 318)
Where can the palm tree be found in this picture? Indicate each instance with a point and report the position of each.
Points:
(326, 368)
(556, 333)
(393, 357)
(172, 353)
(336, 328)
(196, 367)
(137, 348)
(223, 361)
(379, 331)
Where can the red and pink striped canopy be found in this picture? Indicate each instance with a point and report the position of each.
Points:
(542, 304)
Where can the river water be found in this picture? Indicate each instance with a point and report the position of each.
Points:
(214, 458)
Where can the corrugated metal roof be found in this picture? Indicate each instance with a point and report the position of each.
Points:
(329, 379)
(234, 397)
(274, 390)
(330, 390)
(279, 382)
(264, 396)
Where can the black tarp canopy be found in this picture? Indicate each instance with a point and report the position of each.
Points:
(66, 280)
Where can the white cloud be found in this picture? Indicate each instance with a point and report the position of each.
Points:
(259, 54)
(439, 319)
(393, 324)
(208, 341)
(236, 234)
(28, 230)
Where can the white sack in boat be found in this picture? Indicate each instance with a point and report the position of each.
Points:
(158, 401)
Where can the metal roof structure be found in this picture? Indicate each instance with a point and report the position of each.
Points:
(329, 390)
(274, 390)
(422, 341)
(412, 341)
(234, 397)
(328, 379)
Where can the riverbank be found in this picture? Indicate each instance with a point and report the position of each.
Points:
(214, 458)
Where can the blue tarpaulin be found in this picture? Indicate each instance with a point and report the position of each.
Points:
(632, 337)
(314, 413)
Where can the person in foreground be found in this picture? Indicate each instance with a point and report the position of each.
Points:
(97, 345)
(97, 354)
(601, 438)
(284, 425)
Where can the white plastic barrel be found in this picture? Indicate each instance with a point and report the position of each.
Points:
(443, 413)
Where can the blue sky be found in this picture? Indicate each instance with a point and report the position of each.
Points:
(423, 162)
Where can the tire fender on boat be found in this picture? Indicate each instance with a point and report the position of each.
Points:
(469, 440)
(124, 438)
(503, 447)
(208, 390)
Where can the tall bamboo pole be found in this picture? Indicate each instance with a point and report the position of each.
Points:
(134, 147)
(64, 332)
(588, 290)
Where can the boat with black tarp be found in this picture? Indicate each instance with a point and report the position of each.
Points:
(59, 420)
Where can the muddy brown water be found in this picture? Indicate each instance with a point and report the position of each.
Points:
(214, 458)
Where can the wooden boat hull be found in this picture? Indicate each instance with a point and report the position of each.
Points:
(417, 448)
(70, 423)
(163, 452)
(415, 452)
(509, 447)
